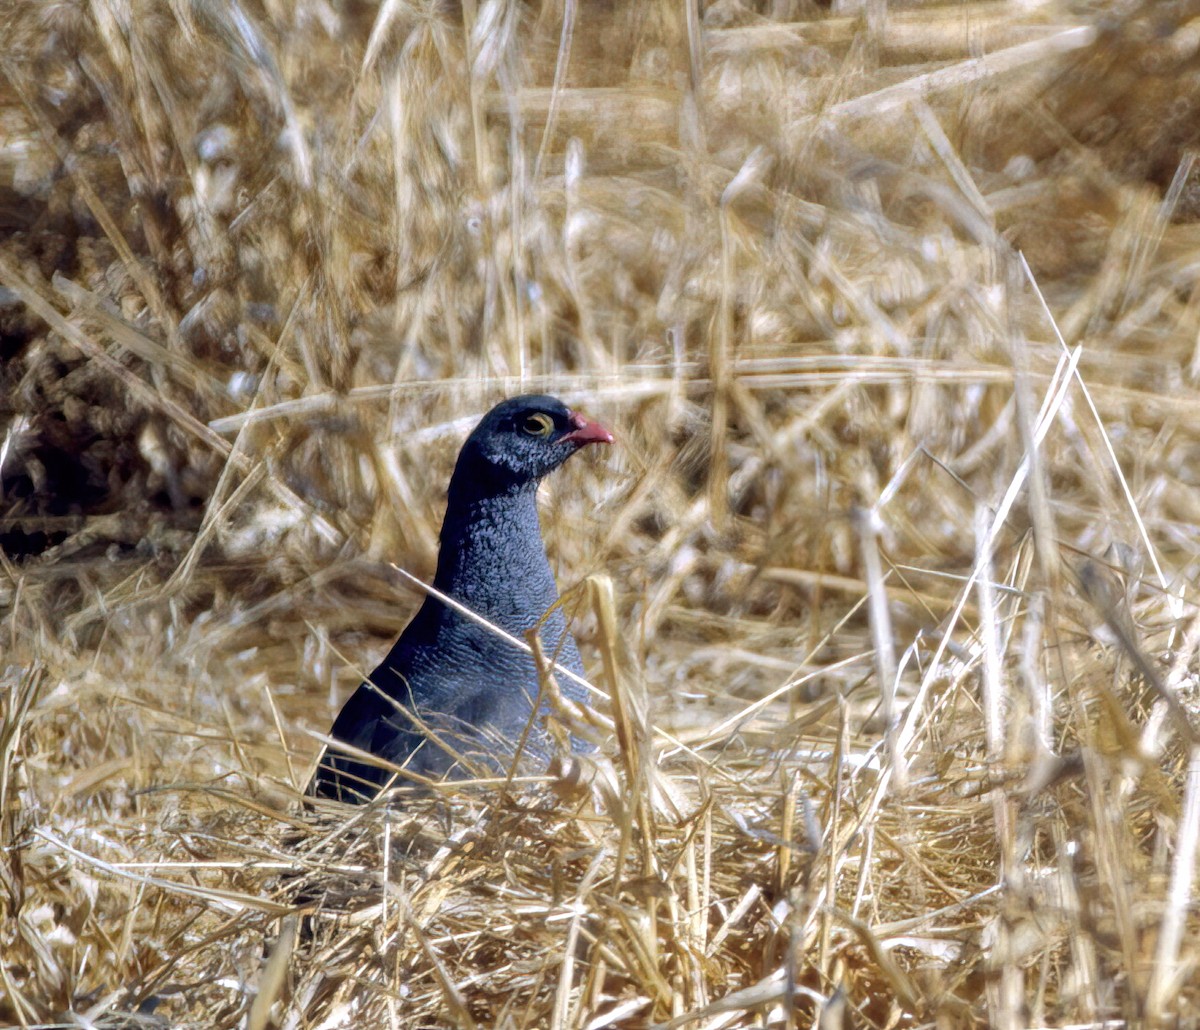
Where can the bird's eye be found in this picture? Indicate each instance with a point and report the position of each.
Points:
(538, 424)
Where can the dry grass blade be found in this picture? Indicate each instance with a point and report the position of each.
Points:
(1167, 978)
(932, 261)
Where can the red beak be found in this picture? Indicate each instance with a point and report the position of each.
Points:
(586, 431)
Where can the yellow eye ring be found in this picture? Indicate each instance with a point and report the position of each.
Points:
(538, 424)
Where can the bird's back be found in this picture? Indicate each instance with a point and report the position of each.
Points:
(451, 680)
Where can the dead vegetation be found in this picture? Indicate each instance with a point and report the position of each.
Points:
(895, 313)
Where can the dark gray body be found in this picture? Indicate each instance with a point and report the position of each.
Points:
(472, 689)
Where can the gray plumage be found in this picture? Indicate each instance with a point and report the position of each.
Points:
(470, 688)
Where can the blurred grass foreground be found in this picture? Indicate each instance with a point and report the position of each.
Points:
(894, 308)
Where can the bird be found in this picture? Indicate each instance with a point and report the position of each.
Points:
(453, 697)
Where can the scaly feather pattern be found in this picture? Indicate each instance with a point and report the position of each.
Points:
(451, 695)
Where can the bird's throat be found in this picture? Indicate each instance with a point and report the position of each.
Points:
(492, 558)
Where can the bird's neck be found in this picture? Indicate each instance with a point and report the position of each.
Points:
(492, 554)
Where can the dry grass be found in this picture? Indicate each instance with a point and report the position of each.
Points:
(895, 316)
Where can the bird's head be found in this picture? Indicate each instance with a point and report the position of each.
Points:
(523, 439)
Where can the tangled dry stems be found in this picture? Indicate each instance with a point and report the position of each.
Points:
(895, 316)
